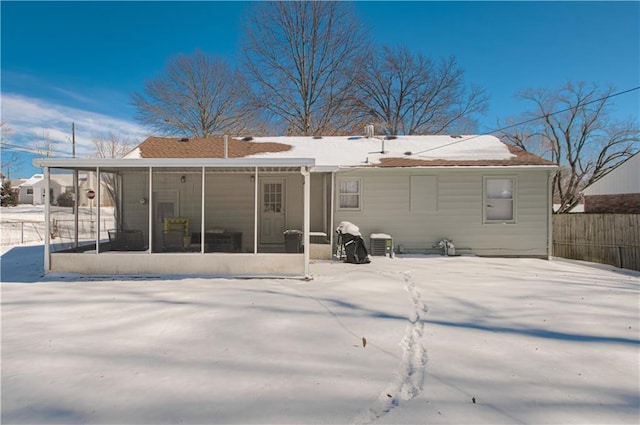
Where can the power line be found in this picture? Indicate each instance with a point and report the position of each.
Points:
(527, 121)
(18, 148)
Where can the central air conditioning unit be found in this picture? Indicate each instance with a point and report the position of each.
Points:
(381, 245)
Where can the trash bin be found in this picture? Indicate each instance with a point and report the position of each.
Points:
(293, 241)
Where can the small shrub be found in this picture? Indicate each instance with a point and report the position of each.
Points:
(8, 195)
(65, 199)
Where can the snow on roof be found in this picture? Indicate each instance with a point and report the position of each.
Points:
(135, 153)
(358, 150)
(348, 151)
(32, 180)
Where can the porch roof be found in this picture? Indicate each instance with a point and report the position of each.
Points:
(228, 163)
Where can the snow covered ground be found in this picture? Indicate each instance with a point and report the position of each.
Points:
(436, 340)
(25, 224)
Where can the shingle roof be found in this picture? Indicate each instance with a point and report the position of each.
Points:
(438, 151)
(212, 147)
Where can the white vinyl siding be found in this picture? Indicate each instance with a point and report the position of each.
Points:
(349, 194)
(459, 214)
(229, 202)
(623, 179)
(499, 199)
(424, 193)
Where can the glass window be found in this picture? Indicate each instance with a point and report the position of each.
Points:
(273, 197)
(499, 199)
(349, 194)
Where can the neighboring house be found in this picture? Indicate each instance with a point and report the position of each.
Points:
(243, 194)
(32, 191)
(618, 191)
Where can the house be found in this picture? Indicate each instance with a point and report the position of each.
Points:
(618, 191)
(224, 205)
(32, 190)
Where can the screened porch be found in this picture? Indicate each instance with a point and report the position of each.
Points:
(211, 216)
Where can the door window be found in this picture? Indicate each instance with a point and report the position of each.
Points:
(273, 197)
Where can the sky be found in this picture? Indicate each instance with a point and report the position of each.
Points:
(64, 62)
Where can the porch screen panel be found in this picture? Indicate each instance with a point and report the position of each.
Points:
(176, 209)
(229, 210)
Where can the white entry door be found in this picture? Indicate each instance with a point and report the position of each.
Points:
(273, 214)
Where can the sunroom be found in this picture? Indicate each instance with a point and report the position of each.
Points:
(234, 216)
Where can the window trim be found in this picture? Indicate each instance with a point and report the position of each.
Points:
(514, 199)
(359, 194)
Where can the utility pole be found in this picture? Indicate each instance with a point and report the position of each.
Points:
(73, 139)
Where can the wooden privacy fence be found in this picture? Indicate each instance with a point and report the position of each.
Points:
(612, 239)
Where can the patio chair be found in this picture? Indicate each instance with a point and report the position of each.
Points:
(176, 225)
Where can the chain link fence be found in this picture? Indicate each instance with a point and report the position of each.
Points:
(17, 232)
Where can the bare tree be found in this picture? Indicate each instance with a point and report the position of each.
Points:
(572, 126)
(300, 59)
(112, 145)
(45, 146)
(10, 161)
(5, 130)
(408, 93)
(197, 96)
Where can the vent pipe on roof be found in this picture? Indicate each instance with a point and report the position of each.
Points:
(368, 130)
(226, 146)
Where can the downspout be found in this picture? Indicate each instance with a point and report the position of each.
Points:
(47, 222)
(307, 220)
(255, 212)
(331, 217)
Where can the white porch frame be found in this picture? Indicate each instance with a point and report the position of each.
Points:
(180, 263)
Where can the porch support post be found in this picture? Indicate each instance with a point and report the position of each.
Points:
(550, 215)
(202, 228)
(255, 212)
(150, 197)
(47, 222)
(307, 220)
(76, 200)
(98, 195)
(332, 203)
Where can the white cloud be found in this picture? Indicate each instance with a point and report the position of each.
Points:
(30, 118)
